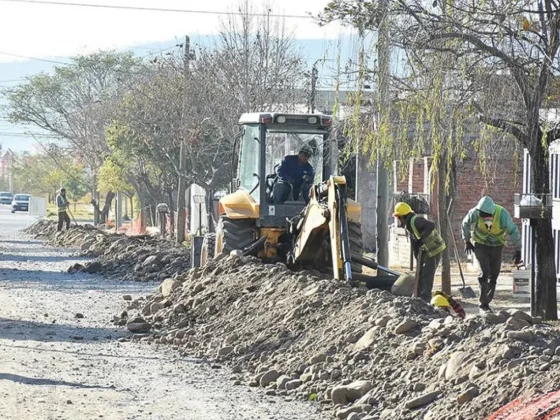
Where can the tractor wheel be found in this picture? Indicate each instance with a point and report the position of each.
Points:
(356, 243)
(234, 234)
(208, 248)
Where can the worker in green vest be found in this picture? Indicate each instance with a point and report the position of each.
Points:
(424, 236)
(62, 206)
(486, 226)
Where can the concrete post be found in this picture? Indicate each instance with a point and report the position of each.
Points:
(366, 195)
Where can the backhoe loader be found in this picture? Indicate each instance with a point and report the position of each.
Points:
(324, 234)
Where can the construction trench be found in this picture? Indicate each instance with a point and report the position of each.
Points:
(352, 353)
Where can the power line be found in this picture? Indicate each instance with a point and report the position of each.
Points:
(30, 135)
(154, 9)
(31, 58)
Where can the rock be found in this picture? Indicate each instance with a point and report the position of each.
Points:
(306, 377)
(236, 253)
(467, 396)
(155, 307)
(127, 297)
(366, 340)
(293, 384)
(168, 286)
(343, 413)
(79, 315)
(422, 400)
(404, 285)
(148, 262)
(230, 339)
(493, 319)
(138, 325)
(419, 387)
(520, 315)
(454, 364)
(525, 335)
(282, 381)
(405, 326)
(516, 323)
(268, 377)
(225, 351)
(382, 322)
(318, 358)
(349, 393)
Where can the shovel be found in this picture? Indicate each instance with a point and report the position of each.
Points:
(466, 291)
(68, 210)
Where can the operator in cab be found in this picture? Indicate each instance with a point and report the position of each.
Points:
(295, 175)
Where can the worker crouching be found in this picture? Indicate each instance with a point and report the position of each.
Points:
(427, 245)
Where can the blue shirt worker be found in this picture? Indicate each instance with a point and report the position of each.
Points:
(295, 175)
(486, 225)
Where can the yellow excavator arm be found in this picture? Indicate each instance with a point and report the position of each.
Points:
(322, 232)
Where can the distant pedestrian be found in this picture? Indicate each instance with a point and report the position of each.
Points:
(486, 225)
(425, 236)
(62, 206)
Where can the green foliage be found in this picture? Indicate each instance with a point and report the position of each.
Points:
(39, 174)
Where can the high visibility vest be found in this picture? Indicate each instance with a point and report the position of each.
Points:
(433, 244)
(61, 203)
(481, 231)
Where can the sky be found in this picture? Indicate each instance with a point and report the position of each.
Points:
(43, 30)
(36, 35)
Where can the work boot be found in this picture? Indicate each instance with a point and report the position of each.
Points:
(485, 307)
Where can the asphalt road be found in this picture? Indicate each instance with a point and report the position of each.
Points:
(54, 365)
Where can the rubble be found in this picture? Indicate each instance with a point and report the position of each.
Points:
(137, 258)
(361, 354)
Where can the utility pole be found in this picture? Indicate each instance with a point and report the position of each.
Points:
(182, 186)
(383, 102)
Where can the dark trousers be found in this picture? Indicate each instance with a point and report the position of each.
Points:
(281, 191)
(490, 260)
(63, 218)
(428, 267)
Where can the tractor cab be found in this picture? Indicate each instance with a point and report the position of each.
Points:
(267, 138)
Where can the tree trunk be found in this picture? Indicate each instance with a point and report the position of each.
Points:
(181, 190)
(443, 225)
(171, 215)
(545, 296)
(95, 200)
(104, 215)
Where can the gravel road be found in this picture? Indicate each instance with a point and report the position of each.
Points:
(57, 365)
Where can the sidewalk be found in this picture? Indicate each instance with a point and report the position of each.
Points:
(504, 297)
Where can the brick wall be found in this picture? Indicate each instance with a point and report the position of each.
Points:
(501, 181)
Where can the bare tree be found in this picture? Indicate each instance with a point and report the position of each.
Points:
(503, 55)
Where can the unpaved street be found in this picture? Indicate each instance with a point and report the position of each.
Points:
(55, 365)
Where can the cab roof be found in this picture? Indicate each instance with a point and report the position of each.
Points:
(257, 117)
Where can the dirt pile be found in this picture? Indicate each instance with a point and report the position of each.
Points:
(363, 354)
(137, 258)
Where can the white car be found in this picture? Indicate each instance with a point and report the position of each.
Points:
(21, 202)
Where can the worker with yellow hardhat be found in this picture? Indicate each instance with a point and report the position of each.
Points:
(423, 236)
(447, 303)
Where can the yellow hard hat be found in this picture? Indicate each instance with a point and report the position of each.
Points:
(402, 209)
(440, 302)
